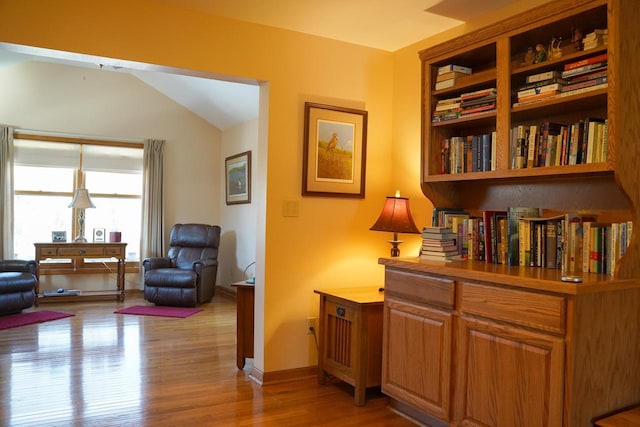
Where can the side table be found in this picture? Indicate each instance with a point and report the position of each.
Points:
(244, 333)
(350, 347)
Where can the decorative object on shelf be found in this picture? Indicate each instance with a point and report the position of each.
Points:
(81, 201)
(396, 218)
(541, 54)
(238, 178)
(530, 56)
(576, 38)
(98, 235)
(334, 158)
(115, 236)
(555, 51)
(58, 236)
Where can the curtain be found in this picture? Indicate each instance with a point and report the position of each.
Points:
(152, 230)
(6, 192)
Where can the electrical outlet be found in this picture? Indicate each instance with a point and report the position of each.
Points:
(311, 325)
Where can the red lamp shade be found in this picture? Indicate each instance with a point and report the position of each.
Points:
(396, 218)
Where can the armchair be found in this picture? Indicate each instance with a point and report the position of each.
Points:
(187, 275)
(18, 281)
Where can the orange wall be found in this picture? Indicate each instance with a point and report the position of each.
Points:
(328, 244)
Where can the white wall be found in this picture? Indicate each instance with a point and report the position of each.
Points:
(59, 98)
(238, 221)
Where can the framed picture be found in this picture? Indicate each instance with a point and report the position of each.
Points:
(58, 236)
(98, 235)
(334, 158)
(238, 178)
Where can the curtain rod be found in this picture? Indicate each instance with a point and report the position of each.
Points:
(76, 139)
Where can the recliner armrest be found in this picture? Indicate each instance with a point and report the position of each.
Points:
(153, 263)
(24, 266)
(201, 264)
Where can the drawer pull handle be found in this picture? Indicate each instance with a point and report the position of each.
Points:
(340, 311)
(81, 251)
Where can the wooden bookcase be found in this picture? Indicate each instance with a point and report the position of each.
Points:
(476, 343)
(495, 53)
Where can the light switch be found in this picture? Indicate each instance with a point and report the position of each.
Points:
(290, 208)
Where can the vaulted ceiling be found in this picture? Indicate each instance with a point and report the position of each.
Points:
(382, 24)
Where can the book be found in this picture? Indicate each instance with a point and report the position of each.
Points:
(553, 87)
(584, 69)
(453, 67)
(513, 216)
(491, 234)
(478, 93)
(547, 75)
(445, 84)
(450, 75)
(587, 61)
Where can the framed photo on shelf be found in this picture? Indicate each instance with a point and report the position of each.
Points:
(334, 151)
(58, 236)
(98, 235)
(238, 178)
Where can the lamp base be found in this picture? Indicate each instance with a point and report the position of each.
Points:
(395, 250)
(80, 239)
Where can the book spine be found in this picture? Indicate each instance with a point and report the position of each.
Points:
(452, 67)
(587, 61)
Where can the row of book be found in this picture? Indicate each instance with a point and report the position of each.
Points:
(472, 153)
(520, 236)
(464, 105)
(556, 144)
(577, 77)
(448, 74)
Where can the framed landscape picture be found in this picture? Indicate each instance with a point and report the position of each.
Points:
(334, 152)
(238, 178)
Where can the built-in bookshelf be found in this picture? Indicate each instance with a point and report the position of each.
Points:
(586, 87)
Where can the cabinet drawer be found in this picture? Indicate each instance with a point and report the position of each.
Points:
(545, 312)
(48, 251)
(86, 251)
(112, 250)
(420, 287)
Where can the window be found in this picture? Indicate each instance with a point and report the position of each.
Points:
(46, 175)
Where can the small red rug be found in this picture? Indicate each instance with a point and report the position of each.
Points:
(159, 310)
(22, 319)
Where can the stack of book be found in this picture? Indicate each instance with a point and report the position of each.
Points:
(479, 101)
(596, 38)
(447, 75)
(439, 244)
(447, 109)
(587, 74)
(540, 86)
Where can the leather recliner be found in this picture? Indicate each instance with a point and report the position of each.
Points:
(18, 281)
(186, 277)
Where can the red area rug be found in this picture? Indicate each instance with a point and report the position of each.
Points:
(159, 310)
(21, 319)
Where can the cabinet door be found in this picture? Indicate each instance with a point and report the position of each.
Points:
(416, 356)
(508, 376)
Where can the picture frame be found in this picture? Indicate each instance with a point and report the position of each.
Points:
(238, 178)
(334, 151)
(58, 236)
(99, 235)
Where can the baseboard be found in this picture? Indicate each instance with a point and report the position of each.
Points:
(279, 377)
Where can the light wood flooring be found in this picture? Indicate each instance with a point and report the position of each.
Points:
(104, 369)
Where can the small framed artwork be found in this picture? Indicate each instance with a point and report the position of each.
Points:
(334, 151)
(98, 235)
(238, 178)
(58, 236)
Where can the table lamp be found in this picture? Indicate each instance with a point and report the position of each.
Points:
(396, 218)
(81, 201)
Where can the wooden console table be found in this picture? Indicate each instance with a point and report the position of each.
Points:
(245, 321)
(77, 252)
(350, 322)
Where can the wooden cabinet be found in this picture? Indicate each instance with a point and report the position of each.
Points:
(503, 346)
(350, 345)
(245, 306)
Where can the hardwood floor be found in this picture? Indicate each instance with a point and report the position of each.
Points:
(104, 369)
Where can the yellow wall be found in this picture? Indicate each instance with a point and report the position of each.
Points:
(329, 244)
